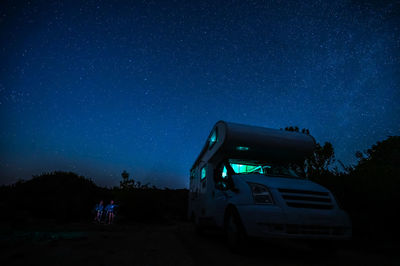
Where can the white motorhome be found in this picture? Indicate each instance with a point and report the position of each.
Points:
(243, 181)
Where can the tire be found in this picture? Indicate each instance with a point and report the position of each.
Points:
(324, 248)
(235, 233)
(199, 230)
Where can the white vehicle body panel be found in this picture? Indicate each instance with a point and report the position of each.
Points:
(300, 209)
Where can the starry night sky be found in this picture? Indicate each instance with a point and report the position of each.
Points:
(96, 87)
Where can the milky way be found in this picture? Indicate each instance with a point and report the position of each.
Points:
(96, 87)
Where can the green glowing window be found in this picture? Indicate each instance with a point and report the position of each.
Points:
(213, 138)
(247, 168)
(224, 173)
(203, 173)
(264, 168)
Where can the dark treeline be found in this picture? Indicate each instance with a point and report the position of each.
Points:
(368, 191)
(67, 197)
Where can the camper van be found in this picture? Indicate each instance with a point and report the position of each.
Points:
(244, 181)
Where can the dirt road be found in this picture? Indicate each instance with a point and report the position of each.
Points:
(176, 244)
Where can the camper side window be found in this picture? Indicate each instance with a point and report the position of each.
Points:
(213, 138)
(191, 174)
(222, 180)
(224, 174)
(203, 173)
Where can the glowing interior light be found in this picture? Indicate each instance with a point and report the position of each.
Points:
(241, 148)
(213, 138)
(224, 173)
(203, 173)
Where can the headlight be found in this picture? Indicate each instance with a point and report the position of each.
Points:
(261, 194)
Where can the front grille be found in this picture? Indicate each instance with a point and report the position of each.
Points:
(297, 198)
(314, 230)
(298, 229)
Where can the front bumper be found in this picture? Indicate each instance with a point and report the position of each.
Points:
(271, 221)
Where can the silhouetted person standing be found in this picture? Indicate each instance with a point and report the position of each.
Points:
(99, 211)
(110, 209)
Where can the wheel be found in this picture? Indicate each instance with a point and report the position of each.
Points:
(235, 233)
(324, 248)
(197, 227)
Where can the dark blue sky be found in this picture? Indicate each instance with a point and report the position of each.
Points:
(96, 87)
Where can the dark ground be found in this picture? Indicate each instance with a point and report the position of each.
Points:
(174, 244)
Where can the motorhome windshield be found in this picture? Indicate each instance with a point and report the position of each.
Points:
(268, 169)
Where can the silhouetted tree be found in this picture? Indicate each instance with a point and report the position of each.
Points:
(371, 190)
(382, 154)
(125, 175)
(319, 162)
(126, 183)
